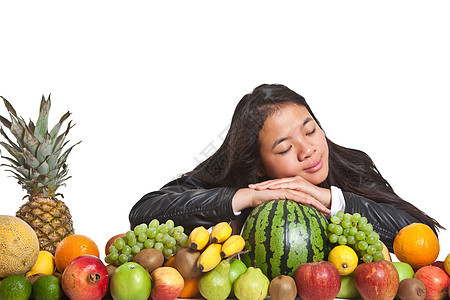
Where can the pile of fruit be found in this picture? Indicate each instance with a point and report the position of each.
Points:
(206, 265)
(286, 249)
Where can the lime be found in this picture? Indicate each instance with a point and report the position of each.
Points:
(15, 287)
(47, 287)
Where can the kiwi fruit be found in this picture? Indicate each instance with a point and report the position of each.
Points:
(149, 258)
(186, 262)
(283, 287)
(111, 269)
(411, 289)
(34, 277)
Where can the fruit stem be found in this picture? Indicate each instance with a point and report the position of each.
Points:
(236, 254)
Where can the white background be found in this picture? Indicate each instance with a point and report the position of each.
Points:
(150, 86)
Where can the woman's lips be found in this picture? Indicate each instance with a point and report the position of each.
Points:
(316, 166)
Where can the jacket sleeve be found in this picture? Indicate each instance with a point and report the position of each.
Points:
(188, 202)
(385, 218)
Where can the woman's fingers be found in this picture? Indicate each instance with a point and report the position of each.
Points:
(272, 183)
(297, 196)
(305, 198)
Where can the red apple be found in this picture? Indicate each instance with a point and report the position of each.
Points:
(130, 281)
(111, 241)
(86, 277)
(376, 280)
(317, 280)
(167, 283)
(436, 281)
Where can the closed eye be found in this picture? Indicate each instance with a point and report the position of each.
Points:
(312, 132)
(286, 151)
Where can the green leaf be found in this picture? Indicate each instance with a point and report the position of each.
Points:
(52, 174)
(15, 163)
(9, 140)
(31, 126)
(42, 179)
(63, 156)
(60, 139)
(30, 160)
(5, 122)
(55, 130)
(45, 148)
(42, 122)
(17, 176)
(24, 171)
(53, 159)
(31, 142)
(34, 174)
(19, 156)
(17, 130)
(43, 168)
(9, 107)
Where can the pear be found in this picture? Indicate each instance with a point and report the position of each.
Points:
(216, 284)
(252, 285)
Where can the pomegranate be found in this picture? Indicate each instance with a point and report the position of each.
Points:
(86, 277)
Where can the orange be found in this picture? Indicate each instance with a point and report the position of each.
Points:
(170, 262)
(71, 247)
(417, 245)
(386, 254)
(190, 289)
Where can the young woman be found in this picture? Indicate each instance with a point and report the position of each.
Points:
(276, 149)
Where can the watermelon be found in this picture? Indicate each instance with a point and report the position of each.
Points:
(281, 235)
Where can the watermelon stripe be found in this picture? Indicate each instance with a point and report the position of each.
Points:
(249, 236)
(282, 242)
(269, 232)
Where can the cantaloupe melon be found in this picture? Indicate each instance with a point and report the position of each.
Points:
(19, 246)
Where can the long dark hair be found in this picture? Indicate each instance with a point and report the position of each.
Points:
(237, 161)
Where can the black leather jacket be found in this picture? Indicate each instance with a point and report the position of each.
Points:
(190, 202)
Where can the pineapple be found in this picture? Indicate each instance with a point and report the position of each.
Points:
(39, 164)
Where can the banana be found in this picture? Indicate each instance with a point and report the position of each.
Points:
(232, 245)
(198, 238)
(209, 258)
(220, 232)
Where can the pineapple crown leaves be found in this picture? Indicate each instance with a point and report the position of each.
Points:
(38, 161)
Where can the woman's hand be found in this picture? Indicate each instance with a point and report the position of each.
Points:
(292, 188)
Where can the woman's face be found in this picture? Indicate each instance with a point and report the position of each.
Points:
(291, 144)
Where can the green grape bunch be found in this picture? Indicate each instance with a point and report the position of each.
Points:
(355, 231)
(165, 237)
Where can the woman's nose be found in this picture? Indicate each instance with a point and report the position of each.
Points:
(305, 151)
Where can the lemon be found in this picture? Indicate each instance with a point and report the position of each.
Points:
(344, 259)
(15, 287)
(45, 264)
(47, 287)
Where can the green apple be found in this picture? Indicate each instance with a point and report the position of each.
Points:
(130, 281)
(404, 270)
(348, 288)
(237, 267)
